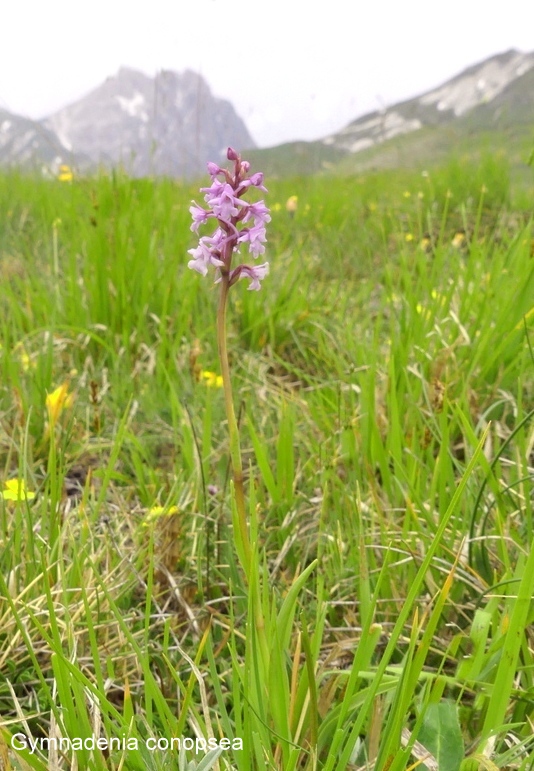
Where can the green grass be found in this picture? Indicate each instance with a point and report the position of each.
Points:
(386, 397)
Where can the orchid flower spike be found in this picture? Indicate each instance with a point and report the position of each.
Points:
(237, 223)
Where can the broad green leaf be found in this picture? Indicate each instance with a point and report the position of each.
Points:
(442, 736)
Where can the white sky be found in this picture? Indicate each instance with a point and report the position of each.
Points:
(293, 69)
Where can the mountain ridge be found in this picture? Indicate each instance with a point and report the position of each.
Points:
(166, 125)
(478, 84)
(494, 102)
(171, 123)
(26, 143)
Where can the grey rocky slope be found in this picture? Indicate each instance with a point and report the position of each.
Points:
(166, 125)
(479, 86)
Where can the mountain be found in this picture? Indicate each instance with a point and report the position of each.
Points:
(487, 105)
(167, 125)
(27, 143)
(476, 86)
(513, 106)
(170, 124)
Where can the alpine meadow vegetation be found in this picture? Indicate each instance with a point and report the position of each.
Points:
(282, 529)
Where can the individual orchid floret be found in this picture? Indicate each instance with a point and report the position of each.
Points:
(257, 181)
(255, 237)
(225, 205)
(203, 256)
(214, 169)
(256, 273)
(238, 222)
(258, 211)
(200, 216)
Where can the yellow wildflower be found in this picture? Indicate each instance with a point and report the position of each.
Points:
(26, 361)
(459, 240)
(65, 173)
(424, 312)
(58, 400)
(212, 379)
(437, 296)
(292, 204)
(15, 490)
(426, 243)
(155, 512)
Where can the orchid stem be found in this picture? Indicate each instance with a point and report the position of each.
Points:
(233, 431)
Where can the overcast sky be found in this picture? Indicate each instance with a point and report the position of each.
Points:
(293, 69)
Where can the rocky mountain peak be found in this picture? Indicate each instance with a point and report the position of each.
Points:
(166, 125)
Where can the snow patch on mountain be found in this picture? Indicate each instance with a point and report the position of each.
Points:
(478, 84)
(134, 106)
(377, 128)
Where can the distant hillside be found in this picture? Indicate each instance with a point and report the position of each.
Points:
(476, 86)
(512, 107)
(295, 158)
(490, 104)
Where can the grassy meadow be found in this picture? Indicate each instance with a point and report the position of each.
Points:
(384, 385)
